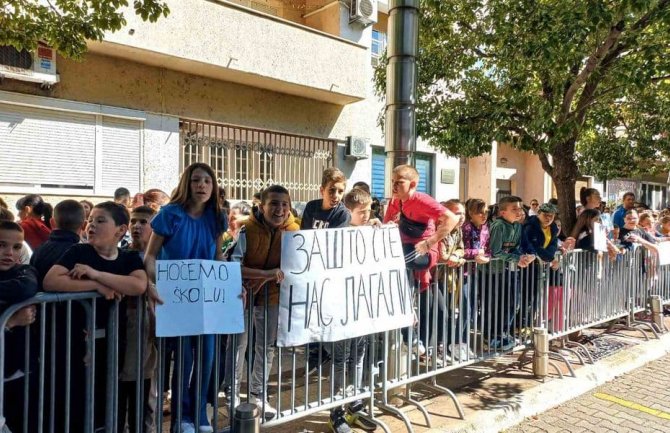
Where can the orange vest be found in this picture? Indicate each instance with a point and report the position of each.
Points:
(264, 251)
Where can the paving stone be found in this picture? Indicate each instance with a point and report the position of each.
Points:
(648, 386)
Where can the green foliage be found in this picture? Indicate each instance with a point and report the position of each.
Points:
(574, 81)
(67, 24)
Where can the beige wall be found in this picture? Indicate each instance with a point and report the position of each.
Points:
(479, 177)
(165, 96)
(522, 169)
(326, 19)
(226, 42)
(115, 82)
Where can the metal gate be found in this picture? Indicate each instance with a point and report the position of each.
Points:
(248, 160)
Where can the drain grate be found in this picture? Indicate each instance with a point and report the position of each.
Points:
(603, 346)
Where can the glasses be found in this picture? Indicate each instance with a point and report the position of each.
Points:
(534, 204)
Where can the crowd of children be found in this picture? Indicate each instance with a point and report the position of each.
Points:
(112, 248)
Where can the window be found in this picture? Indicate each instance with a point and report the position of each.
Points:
(50, 150)
(654, 195)
(248, 160)
(378, 172)
(378, 46)
(424, 165)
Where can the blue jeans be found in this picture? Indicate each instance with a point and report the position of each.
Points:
(188, 387)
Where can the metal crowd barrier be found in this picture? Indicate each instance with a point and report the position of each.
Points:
(79, 361)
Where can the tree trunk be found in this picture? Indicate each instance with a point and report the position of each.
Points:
(564, 175)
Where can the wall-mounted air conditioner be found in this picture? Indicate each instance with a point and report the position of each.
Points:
(38, 66)
(357, 148)
(363, 12)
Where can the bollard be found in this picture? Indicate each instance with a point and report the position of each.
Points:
(541, 355)
(247, 419)
(657, 311)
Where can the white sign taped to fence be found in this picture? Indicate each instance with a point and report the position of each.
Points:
(199, 297)
(663, 253)
(342, 283)
(599, 237)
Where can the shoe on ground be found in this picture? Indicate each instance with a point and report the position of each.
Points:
(461, 352)
(205, 429)
(186, 427)
(338, 423)
(357, 420)
(268, 411)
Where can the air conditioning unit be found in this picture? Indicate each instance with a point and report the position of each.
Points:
(357, 148)
(38, 66)
(363, 12)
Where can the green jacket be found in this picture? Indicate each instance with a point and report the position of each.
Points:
(505, 241)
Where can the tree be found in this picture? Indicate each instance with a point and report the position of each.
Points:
(67, 24)
(580, 83)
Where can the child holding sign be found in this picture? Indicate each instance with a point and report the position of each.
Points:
(190, 227)
(325, 212)
(258, 249)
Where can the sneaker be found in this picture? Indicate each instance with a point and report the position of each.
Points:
(270, 412)
(461, 352)
(337, 422)
(357, 420)
(509, 343)
(421, 348)
(186, 427)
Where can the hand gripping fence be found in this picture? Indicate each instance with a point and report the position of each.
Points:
(90, 365)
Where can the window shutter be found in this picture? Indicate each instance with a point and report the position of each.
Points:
(378, 171)
(424, 169)
(120, 154)
(46, 147)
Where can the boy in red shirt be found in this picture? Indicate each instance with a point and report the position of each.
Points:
(423, 223)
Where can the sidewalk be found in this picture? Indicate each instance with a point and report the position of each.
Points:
(496, 395)
(638, 401)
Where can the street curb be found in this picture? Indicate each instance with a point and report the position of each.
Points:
(551, 394)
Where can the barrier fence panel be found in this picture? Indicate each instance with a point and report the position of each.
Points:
(76, 370)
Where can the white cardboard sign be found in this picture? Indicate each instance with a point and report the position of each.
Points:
(199, 297)
(342, 283)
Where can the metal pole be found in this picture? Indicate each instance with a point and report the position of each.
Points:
(657, 311)
(401, 77)
(541, 358)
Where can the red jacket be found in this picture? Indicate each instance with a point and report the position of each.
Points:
(35, 232)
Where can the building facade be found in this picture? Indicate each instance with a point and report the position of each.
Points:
(265, 91)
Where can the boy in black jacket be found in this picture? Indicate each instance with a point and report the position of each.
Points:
(17, 284)
(68, 219)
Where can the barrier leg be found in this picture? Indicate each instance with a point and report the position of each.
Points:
(540, 357)
(393, 411)
(439, 388)
(657, 312)
(407, 398)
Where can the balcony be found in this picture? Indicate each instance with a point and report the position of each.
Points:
(228, 42)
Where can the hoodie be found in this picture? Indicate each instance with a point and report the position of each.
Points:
(533, 240)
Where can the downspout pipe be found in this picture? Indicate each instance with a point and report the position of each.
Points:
(401, 78)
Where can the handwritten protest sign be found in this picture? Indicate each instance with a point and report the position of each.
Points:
(599, 237)
(199, 297)
(342, 283)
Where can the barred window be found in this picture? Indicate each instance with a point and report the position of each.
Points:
(248, 160)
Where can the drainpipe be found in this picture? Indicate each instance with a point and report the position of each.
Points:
(401, 76)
